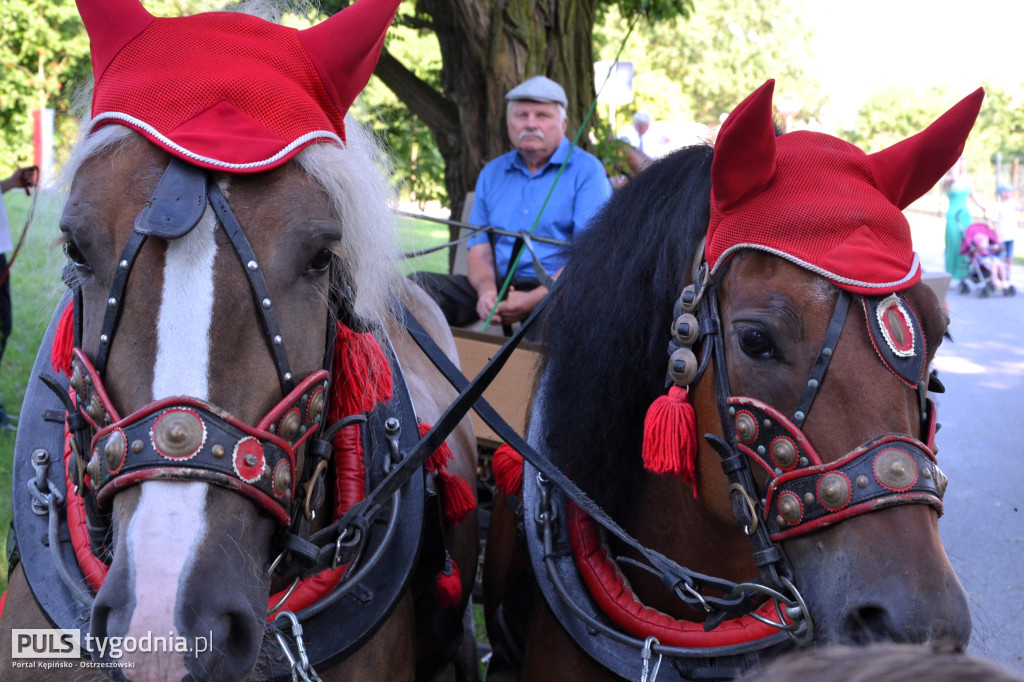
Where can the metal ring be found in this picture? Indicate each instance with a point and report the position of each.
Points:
(273, 609)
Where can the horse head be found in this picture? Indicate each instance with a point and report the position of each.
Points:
(218, 245)
(793, 457)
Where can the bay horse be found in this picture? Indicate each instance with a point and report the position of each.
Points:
(236, 497)
(776, 493)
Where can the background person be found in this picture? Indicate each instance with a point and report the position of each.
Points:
(636, 134)
(1005, 221)
(510, 193)
(958, 189)
(24, 178)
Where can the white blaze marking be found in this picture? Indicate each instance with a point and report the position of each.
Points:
(169, 521)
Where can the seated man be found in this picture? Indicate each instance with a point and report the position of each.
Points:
(510, 194)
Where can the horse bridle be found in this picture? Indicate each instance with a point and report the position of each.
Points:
(184, 438)
(804, 493)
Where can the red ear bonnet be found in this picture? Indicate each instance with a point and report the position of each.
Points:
(822, 203)
(229, 91)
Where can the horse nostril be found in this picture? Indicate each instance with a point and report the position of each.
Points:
(869, 624)
(230, 644)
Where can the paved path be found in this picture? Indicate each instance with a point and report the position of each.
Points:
(981, 451)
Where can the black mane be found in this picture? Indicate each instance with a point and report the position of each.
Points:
(608, 323)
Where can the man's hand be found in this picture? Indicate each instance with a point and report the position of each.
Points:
(485, 304)
(23, 177)
(519, 304)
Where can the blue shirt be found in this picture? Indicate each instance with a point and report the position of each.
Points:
(509, 197)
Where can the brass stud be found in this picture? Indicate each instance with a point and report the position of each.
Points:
(94, 468)
(682, 366)
(784, 452)
(137, 446)
(808, 499)
(315, 408)
(862, 481)
(282, 479)
(95, 409)
(834, 491)
(779, 520)
(290, 425)
(178, 433)
(746, 427)
(789, 508)
(767, 423)
(895, 469)
(218, 451)
(77, 383)
(927, 472)
(113, 451)
(685, 329)
(941, 481)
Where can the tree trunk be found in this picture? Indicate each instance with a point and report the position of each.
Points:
(487, 48)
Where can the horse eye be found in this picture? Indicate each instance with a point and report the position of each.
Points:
(75, 254)
(756, 343)
(320, 262)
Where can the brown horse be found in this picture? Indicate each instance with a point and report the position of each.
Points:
(775, 504)
(245, 523)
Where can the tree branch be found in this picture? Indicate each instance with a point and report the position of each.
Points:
(435, 110)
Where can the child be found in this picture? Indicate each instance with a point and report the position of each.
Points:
(1007, 211)
(987, 253)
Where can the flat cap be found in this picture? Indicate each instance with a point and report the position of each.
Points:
(538, 89)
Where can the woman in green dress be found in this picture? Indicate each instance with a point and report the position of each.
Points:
(958, 189)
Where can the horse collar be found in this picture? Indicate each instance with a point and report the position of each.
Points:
(63, 583)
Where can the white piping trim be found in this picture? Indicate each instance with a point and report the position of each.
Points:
(914, 267)
(125, 118)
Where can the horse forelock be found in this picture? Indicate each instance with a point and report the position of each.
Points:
(614, 309)
(356, 181)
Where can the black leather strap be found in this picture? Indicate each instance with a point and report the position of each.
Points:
(828, 346)
(177, 203)
(672, 574)
(115, 302)
(258, 286)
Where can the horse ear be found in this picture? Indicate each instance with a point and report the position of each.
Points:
(345, 48)
(110, 25)
(744, 159)
(908, 169)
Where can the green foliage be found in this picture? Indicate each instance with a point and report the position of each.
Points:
(893, 114)
(700, 67)
(42, 51)
(419, 168)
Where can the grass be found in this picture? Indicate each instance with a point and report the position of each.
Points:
(36, 289)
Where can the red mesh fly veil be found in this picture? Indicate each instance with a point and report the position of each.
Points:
(822, 203)
(229, 91)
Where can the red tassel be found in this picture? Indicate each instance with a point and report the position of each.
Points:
(440, 457)
(508, 470)
(449, 584)
(64, 341)
(362, 376)
(457, 497)
(670, 437)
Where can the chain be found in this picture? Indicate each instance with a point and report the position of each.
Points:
(301, 669)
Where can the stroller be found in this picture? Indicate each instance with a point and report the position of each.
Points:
(981, 245)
